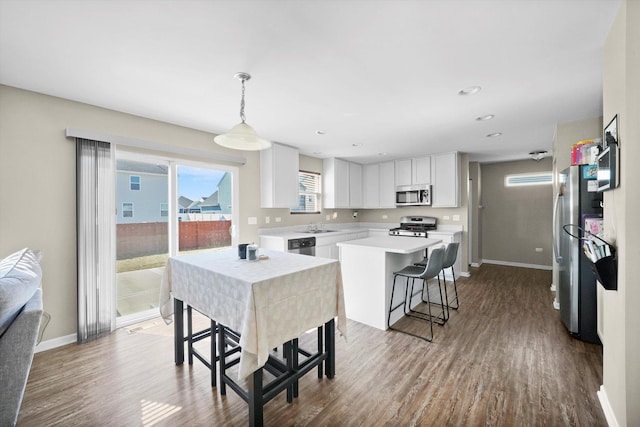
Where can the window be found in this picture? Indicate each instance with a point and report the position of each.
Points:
(134, 183)
(164, 209)
(538, 178)
(308, 193)
(127, 210)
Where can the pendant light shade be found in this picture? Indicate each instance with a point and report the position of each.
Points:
(242, 136)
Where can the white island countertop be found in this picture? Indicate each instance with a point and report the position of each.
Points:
(392, 244)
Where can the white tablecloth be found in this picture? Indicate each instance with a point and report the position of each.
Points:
(268, 301)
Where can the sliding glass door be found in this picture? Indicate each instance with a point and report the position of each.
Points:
(165, 207)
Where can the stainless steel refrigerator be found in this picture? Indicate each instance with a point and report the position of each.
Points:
(577, 200)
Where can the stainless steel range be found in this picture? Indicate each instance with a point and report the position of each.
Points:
(415, 226)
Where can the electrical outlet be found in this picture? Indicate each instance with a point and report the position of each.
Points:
(456, 217)
(267, 220)
(278, 219)
(384, 217)
(335, 215)
(328, 217)
(538, 249)
(445, 217)
(252, 220)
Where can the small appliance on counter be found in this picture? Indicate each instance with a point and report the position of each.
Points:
(415, 226)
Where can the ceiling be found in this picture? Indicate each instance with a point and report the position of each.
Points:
(379, 77)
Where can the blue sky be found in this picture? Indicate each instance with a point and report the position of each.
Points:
(197, 182)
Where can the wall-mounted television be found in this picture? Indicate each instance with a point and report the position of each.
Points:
(608, 168)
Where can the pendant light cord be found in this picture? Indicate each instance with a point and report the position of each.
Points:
(242, 103)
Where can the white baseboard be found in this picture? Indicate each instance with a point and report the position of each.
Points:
(518, 264)
(476, 264)
(465, 274)
(556, 304)
(552, 288)
(606, 408)
(56, 342)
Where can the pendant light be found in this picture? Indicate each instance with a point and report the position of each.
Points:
(242, 136)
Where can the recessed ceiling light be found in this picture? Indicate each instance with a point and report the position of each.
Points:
(317, 152)
(356, 145)
(321, 132)
(485, 117)
(382, 154)
(493, 135)
(469, 90)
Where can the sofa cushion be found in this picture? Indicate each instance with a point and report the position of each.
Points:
(20, 276)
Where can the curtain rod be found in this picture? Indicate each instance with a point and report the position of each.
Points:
(140, 143)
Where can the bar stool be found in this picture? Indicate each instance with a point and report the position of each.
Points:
(193, 337)
(431, 270)
(450, 255)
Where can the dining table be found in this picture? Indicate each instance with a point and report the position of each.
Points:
(268, 302)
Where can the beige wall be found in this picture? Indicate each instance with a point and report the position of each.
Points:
(516, 220)
(621, 316)
(37, 185)
(569, 133)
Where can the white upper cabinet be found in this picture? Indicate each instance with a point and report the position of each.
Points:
(371, 181)
(445, 180)
(335, 183)
(341, 184)
(413, 171)
(403, 172)
(421, 170)
(379, 187)
(387, 185)
(355, 185)
(279, 177)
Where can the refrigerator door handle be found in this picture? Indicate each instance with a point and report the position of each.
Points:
(556, 230)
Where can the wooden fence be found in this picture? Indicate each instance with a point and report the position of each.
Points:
(151, 238)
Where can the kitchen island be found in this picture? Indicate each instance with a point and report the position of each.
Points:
(367, 275)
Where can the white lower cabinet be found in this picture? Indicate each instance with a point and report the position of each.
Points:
(325, 251)
(326, 245)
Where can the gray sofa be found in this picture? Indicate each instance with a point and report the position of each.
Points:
(20, 316)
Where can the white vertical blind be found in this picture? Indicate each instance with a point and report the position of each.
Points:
(95, 239)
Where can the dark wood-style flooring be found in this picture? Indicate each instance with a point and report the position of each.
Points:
(503, 359)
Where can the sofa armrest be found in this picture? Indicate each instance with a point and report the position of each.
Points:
(17, 346)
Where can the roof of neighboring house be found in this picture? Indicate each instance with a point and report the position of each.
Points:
(196, 204)
(184, 202)
(139, 167)
(212, 200)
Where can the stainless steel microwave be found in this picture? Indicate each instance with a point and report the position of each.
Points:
(413, 195)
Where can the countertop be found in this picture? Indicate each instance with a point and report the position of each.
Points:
(394, 244)
(297, 232)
